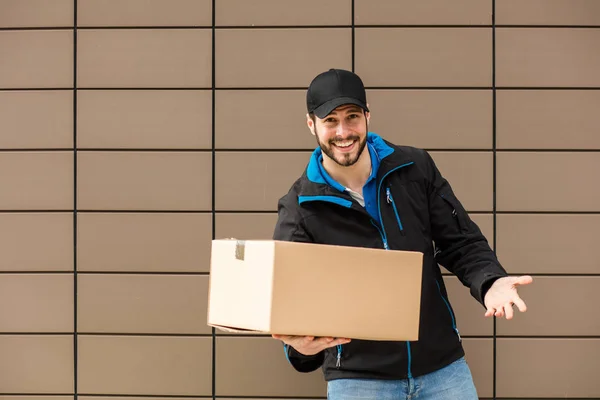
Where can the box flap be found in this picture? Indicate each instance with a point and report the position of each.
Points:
(234, 330)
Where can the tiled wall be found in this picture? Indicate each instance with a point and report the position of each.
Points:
(132, 132)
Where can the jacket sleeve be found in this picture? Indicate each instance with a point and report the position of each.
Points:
(289, 227)
(460, 245)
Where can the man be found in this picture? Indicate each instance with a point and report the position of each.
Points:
(361, 190)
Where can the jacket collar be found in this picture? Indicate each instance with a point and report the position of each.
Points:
(383, 158)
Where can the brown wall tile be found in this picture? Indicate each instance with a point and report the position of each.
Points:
(480, 358)
(254, 181)
(36, 303)
(36, 59)
(144, 58)
(471, 176)
(273, 378)
(144, 119)
(279, 57)
(548, 244)
(20, 397)
(469, 312)
(144, 13)
(529, 181)
(245, 226)
(547, 57)
(144, 180)
(438, 119)
(548, 12)
(551, 302)
(148, 365)
(36, 364)
(142, 304)
(136, 398)
(424, 56)
(170, 242)
(277, 12)
(565, 368)
(433, 12)
(262, 119)
(36, 119)
(38, 180)
(36, 242)
(36, 13)
(548, 119)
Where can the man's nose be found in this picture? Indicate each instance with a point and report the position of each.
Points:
(342, 128)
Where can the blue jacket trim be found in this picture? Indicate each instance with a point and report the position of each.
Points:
(331, 199)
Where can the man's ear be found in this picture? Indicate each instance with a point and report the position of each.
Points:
(311, 124)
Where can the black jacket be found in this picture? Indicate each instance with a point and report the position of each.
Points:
(419, 212)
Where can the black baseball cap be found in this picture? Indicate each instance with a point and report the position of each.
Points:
(334, 88)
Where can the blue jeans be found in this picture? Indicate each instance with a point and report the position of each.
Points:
(449, 383)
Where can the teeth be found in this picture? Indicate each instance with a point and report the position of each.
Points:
(344, 144)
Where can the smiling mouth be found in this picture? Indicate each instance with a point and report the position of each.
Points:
(344, 145)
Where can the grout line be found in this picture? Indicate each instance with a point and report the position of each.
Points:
(206, 273)
(266, 211)
(268, 336)
(75, 287)
(353, 37)
(306, 27)
(213, 182)
(83, 273)
(277, 150)
(495, 193)
(292, 88)
(150, 396)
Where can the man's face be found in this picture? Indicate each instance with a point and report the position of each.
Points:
(342, 135)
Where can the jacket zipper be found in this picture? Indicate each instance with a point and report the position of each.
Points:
(454, 212)
(450, 311)
(389, 198)
(382, 234)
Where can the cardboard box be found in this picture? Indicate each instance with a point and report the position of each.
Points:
(268, 286)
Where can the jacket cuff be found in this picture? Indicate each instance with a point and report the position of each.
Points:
(301, 362)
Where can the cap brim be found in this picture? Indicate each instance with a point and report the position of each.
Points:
(326, 108)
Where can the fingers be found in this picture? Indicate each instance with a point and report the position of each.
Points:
(520, 304)
(311, 343)
(333, 343)
(523, 280)
(507, 309)
(499, 312)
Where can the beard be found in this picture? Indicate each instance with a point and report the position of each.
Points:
(344, 159)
